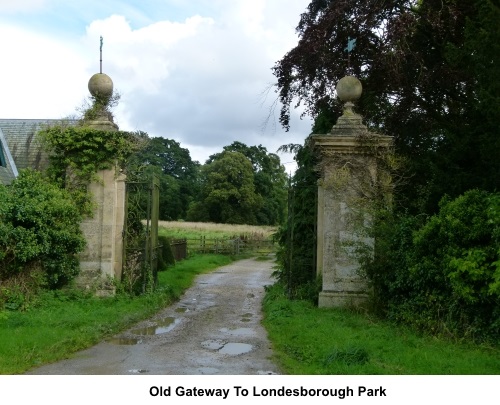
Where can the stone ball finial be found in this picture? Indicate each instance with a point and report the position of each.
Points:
(101, 86)
(349, 89)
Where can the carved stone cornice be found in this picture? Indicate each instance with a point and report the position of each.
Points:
(364, 144)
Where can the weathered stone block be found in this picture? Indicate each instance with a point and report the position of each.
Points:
(347, 184)
(102, 259)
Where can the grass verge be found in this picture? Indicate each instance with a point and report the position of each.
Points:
(65, 322)
(309, 340)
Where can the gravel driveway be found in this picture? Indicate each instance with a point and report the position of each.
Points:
(214, 329)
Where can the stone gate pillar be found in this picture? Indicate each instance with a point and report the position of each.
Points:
(346, 188)
(102, 259)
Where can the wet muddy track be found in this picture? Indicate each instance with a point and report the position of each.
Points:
(214, 329)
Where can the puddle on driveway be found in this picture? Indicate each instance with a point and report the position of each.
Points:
(124, 341)
(162, 326)
(223, 347)
(239, 331)
(181, 310)
(213, 344)
(235, 348)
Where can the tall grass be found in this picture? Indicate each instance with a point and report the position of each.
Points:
(311, 340)
(194, 230)
(205, 237)
(64, 322)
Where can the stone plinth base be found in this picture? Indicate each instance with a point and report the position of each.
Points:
(94, 281)
(336, 299)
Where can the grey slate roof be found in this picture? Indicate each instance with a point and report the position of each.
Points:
(24, 147)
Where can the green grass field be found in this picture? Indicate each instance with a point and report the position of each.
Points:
(195, 230)
(203, 237)
(311, 340)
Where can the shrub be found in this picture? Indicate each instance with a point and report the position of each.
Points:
(443, 275)
(39, 229)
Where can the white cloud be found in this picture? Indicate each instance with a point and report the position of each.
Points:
(139, 59)
(200, 81)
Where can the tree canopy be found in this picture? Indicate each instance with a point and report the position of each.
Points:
(255, 181)
(429, 70)
(430, 75)
(269, 180)
(228, 191)
(178, 174)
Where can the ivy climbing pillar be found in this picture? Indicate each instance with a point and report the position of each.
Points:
(101, 262)
(351, 182)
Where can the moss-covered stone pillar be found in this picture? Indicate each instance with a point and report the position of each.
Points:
(347, 188)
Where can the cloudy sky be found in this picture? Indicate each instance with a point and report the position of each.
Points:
(196, 71)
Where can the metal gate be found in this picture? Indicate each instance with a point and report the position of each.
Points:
(140, 235)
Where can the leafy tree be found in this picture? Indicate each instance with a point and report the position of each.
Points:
(178, 174)
(169, 156)
(429, 75)
(269, 180)
(228, 192)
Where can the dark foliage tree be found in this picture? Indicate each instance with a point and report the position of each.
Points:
(429, 71)
(178, 174)
(269, 180)
(228, 192)
(430, 76)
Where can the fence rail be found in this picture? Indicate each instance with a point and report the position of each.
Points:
(229, 246)
(179, 249)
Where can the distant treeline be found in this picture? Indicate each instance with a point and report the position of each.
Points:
(239, 185)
